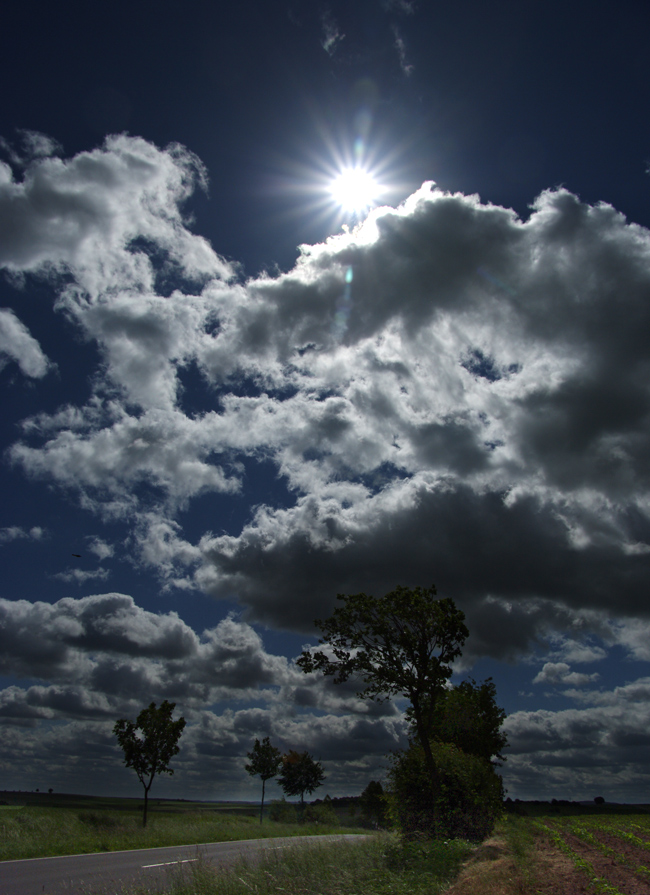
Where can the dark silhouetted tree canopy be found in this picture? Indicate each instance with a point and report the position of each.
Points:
(150, 753)
(300, 774)
(400, 644)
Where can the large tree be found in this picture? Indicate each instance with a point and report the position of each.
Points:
(265, 762)
(300, 774)
(401, 644)
(150, 753)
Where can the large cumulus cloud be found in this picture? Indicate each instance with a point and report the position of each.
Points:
(449, 393)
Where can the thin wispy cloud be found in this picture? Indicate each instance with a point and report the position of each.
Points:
(400, 46)
(331, 33)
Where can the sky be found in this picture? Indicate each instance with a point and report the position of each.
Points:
(229, 395)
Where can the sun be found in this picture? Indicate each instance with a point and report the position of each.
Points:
(354, 190)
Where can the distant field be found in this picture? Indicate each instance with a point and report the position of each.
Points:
(70, 800)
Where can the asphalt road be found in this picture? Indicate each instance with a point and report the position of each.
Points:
(106, 873)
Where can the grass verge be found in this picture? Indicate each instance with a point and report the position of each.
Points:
(379, 865)
(35, 832)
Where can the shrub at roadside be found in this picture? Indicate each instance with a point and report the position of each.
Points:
(283, 812)
(373, 804)
(321, 814)
(465, 802)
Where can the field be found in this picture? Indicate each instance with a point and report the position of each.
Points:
(554, 851)
(612, 851)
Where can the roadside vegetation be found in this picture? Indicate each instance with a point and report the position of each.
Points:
(381, 865)
(35, 831)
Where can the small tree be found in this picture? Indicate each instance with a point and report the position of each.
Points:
(151, 753)
(300, 774)
(265, 762)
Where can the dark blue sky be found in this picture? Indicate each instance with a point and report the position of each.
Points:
(230, 431)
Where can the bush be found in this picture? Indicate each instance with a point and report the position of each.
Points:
(98, 821)
(373, 804)
(467, 800)
(321, 814)
(282, 812)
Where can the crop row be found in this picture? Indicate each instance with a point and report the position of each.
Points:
(613, 824)
(598, 882)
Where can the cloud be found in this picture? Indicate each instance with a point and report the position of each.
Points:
(579, 753)
(480, 419)
(107, 645)
(15, 532)
(17, 343)
(101, 549)
(559, 674)
(63, 212)
(33, 145)
(400, 46)
(332, 35)
(406, 6)
(81, 576)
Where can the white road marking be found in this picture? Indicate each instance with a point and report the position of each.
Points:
(168, 863)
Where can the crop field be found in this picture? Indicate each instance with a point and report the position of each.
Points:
(612, 851)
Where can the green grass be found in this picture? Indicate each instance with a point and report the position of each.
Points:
(35, 831)
(380, 865)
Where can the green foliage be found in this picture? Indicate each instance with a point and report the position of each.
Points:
(265, 762)
(282, 812)
(468, 716)
(150, 753)
(464, 803)
(400, 644)
(374, 805)
(300, 774)
(323, 813)
(440, 859)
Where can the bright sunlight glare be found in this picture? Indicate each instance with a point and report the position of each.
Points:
(354, 190)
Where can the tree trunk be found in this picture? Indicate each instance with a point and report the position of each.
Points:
(144, 813)
(423, 737)
(262, 806)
